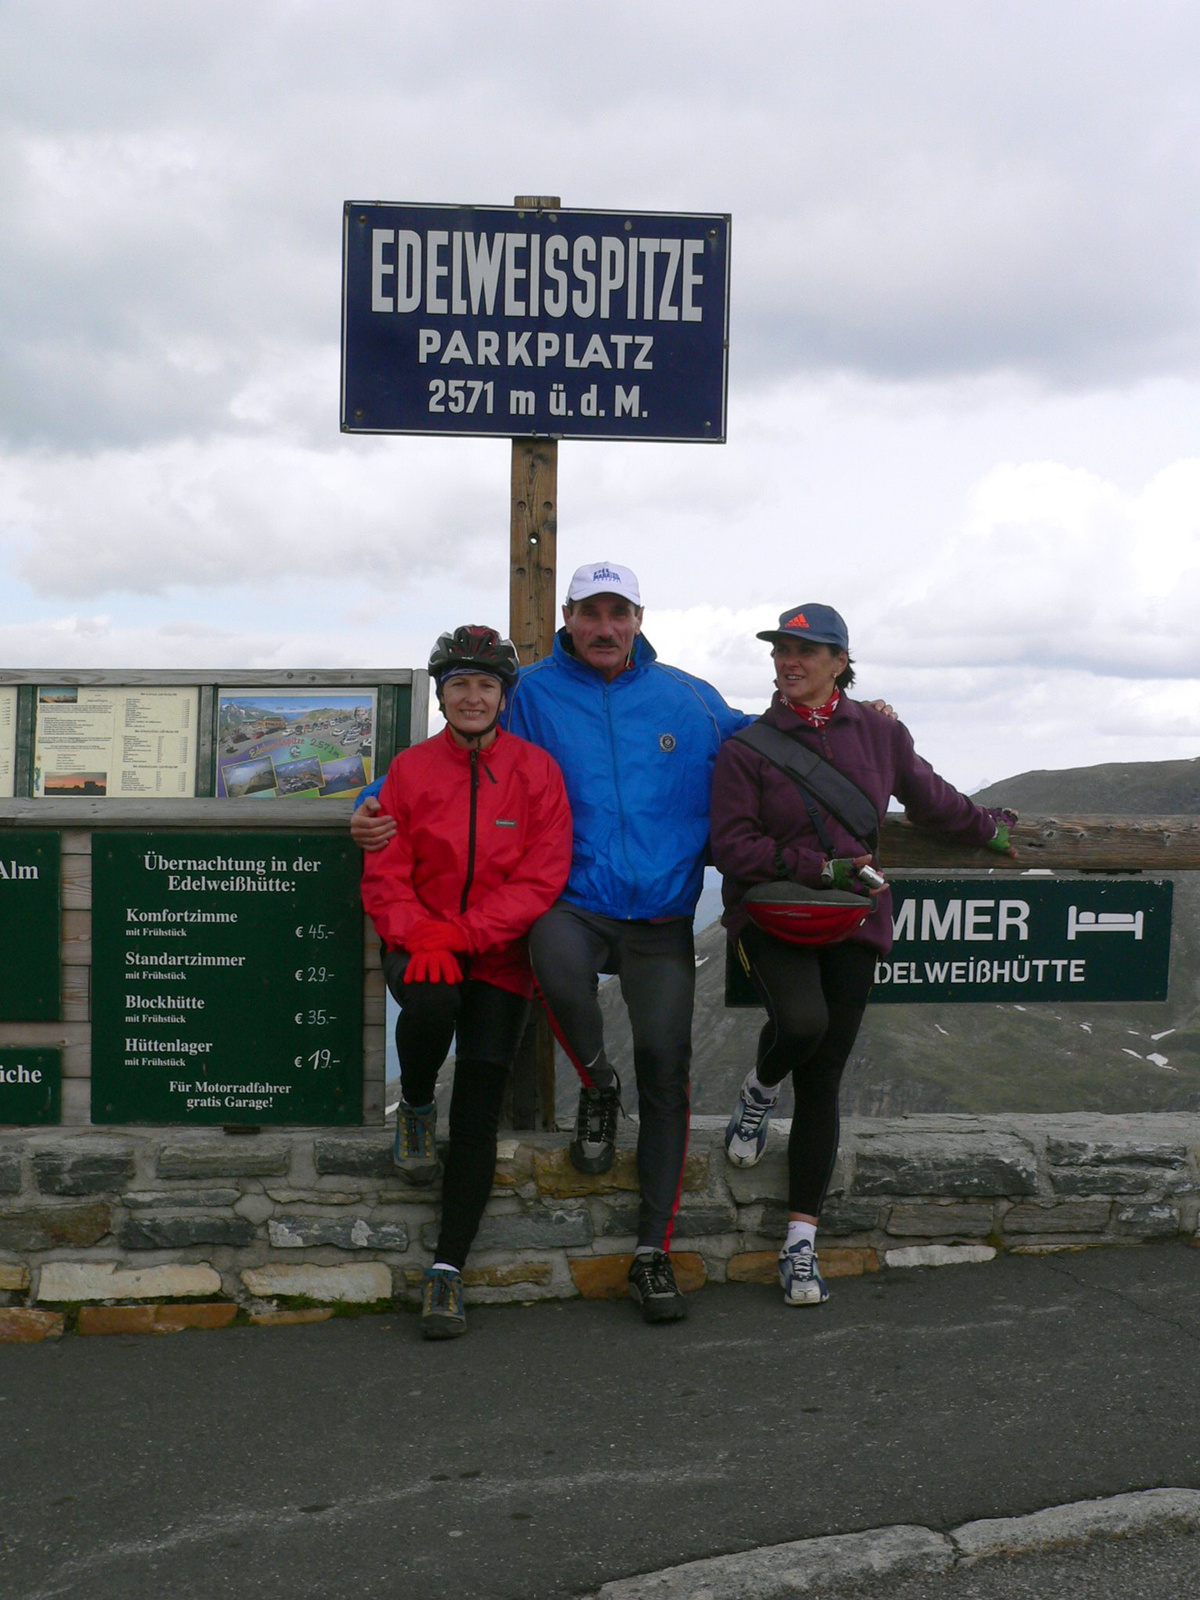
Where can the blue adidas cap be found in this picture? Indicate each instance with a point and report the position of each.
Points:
(816, 623)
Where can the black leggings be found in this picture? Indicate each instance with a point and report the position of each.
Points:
(815, 996)
(656, 966)
(487, 1023)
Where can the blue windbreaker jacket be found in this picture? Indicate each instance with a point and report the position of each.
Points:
(637, 755)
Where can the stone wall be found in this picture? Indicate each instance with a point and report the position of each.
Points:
(192, 1228)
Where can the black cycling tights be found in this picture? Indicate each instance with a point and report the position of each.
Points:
(487, 1024)
(815, 996)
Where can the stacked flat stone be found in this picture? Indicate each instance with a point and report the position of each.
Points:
(289, 1224)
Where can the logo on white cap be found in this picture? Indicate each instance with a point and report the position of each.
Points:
(605, 577)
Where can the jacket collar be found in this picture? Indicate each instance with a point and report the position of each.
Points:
(459, 754)
(564, 655)
(780, 716)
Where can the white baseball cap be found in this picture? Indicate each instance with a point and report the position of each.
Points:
(604, 577)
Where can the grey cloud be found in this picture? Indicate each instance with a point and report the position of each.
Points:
(915, 190)
(239, 512)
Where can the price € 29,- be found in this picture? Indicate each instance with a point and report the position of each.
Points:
(319, 1060)
(314, 974)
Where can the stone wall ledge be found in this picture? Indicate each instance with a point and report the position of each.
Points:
(102, 1215)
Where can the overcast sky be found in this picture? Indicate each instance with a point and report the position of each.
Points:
(965, 358)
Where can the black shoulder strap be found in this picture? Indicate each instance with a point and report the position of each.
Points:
(840, 795)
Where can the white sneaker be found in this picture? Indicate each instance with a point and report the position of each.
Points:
(799, 1279)
(746, 1135)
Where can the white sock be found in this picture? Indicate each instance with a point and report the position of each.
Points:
(443, 1266)
(646, 1250)
(801, 1232)
(761, 1089)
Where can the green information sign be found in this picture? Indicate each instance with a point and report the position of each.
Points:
(1027, 939)
(226, 978)
(30, 1086)
(31, 922)
(1019, 938)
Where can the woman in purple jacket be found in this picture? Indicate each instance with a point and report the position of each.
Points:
(764, 829)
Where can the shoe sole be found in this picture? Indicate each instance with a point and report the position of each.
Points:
(442, 1328)
(744, 1161)
(592, 1166)
(420, 1177)
(654, 1313)
(657, 1310)
(813, 1300)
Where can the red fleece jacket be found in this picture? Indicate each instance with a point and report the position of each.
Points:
(483, 840)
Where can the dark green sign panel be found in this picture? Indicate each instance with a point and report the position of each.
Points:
(30, 1087)
(226, 978)
(31, 923)
(1027, 939)
(1022, 939)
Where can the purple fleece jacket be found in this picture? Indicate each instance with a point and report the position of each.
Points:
(759, 817)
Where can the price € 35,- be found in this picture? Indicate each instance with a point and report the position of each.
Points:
(314, 930)
(314, 1017)
(314, 974)
(318, 1060)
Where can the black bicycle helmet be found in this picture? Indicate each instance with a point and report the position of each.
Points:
(474, 648)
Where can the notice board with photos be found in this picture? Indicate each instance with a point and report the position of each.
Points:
(142, 735)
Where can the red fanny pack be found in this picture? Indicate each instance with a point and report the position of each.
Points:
(797, 915)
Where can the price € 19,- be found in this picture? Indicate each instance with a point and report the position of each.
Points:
(315, 1017)
(318, 1060)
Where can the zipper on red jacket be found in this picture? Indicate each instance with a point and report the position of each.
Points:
(462, 906)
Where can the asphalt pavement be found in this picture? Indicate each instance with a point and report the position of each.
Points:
(564, 1445)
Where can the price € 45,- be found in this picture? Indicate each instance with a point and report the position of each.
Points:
(318, 1060)
(314, 1017)
(314, 930)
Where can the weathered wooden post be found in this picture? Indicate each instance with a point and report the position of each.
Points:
(533, 539)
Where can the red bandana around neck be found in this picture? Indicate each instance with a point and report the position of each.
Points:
(816, 716)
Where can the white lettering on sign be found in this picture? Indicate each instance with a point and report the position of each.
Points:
(959, 919)
(19, 871)
(984, 971)
(515, 275)
(20, 1074)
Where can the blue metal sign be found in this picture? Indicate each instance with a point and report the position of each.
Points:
(565, 324)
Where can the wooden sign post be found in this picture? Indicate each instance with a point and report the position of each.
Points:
(532, 602)
(533, 324)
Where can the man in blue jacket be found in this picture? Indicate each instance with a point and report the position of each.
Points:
(636, 741)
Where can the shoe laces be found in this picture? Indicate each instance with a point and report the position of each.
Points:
(752, 1113)
(441, 1293)
(802, 1259)
(596, 1119)
(417, 1140)
(655, 1271)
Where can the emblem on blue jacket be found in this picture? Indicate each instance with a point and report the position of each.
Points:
(666, 741)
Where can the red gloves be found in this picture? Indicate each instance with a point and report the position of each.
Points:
(432, 966)
(432, 934)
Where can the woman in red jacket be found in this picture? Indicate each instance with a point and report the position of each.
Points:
(482, 848)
